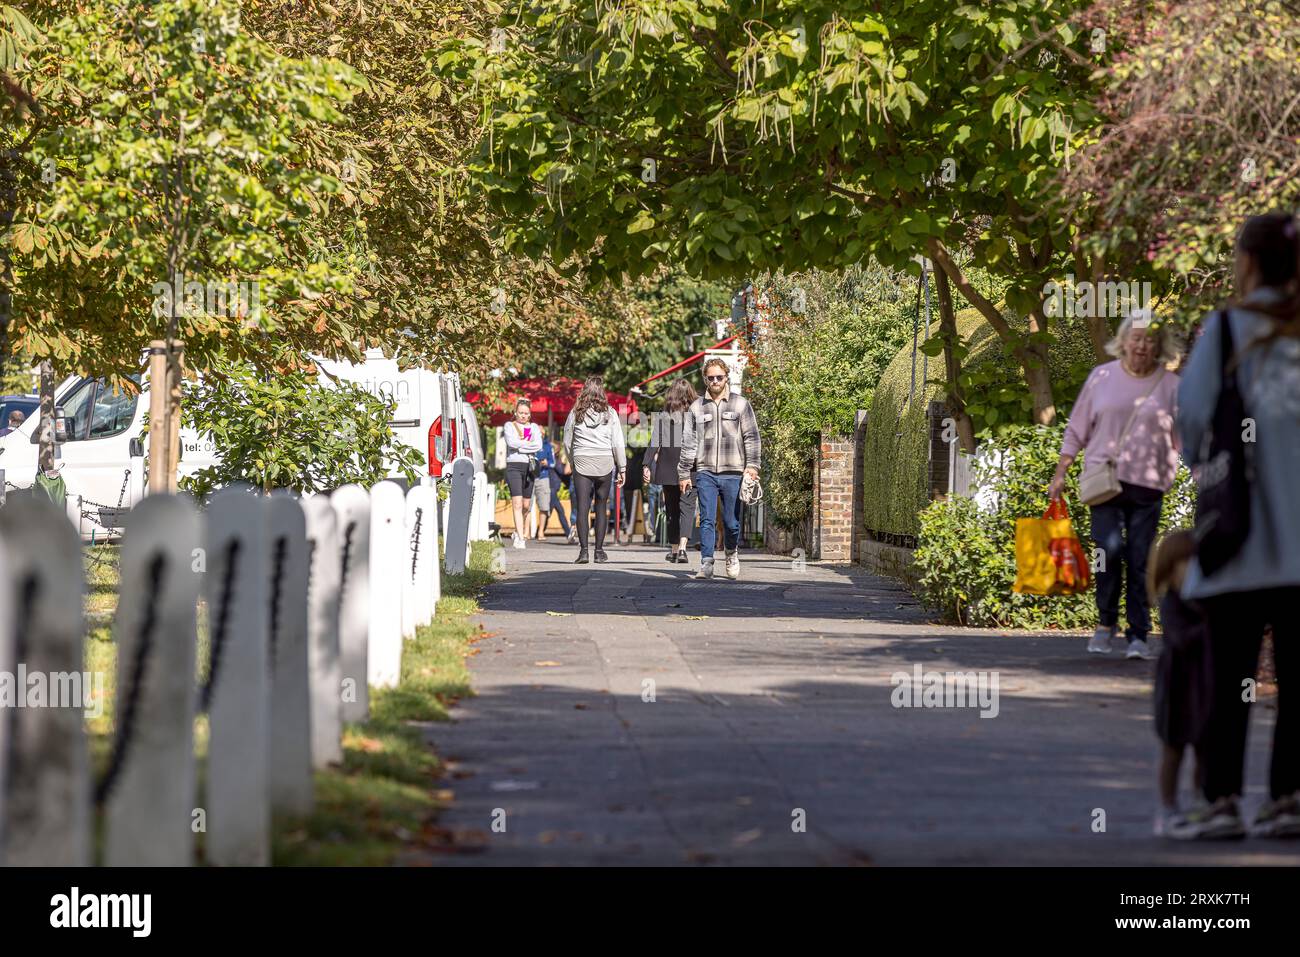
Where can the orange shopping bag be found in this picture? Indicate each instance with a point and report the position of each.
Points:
(1049, 558)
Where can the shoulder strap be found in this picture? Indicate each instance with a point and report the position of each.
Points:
(1138, 405)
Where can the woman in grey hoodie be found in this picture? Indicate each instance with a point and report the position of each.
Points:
(593, 439)
(1260, 584)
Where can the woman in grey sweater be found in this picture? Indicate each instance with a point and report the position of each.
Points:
(593, 439)
(1260, 584)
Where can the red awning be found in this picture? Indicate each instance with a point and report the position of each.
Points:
(549, 397)
(684, 362)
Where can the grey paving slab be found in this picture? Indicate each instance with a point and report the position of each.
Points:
(776, 708)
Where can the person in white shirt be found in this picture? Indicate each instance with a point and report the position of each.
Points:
(523, 442)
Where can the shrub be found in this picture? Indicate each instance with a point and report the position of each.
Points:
(290, 431)
(965, 556)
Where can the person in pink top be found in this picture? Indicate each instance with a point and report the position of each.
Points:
(1125, 413)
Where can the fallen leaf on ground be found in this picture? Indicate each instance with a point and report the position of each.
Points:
(560, 614)
(580, 706)
(695, 617)
(547, 664)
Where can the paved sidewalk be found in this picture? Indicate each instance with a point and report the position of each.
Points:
(777, 707)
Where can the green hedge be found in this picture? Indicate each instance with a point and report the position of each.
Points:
(965, 557)
(896, 452)
(895, 443)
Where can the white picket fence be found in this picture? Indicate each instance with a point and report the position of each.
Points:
(307, 605)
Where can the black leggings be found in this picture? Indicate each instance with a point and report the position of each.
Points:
(680, 513)
(1237, 623)
(583, 487)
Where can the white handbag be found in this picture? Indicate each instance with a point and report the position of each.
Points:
(1100, 483)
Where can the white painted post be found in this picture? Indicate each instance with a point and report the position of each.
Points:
(388, 550)
(420, 574)
(6, 668)
(291, 781)
(237, 691)
(352, 506)
(323, 631)
(489, 513)
(48, 797)
(458, 515)
(476, 506)
(150, 790)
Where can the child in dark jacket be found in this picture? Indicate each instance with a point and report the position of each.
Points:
(1184, 679)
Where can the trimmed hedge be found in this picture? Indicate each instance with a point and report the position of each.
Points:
(896, 443)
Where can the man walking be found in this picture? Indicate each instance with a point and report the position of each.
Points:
(720, 446)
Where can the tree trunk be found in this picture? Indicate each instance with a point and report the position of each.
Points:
(952, 364)
(1039, 379)
(1032, 356)
(45, 453)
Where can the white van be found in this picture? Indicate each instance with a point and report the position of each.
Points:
(102, 462)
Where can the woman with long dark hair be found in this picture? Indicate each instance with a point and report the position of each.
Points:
(661, 466)
(593, 440)
(1247, 582)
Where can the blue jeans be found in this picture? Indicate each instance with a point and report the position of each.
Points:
(708, 486)
(1124, 529)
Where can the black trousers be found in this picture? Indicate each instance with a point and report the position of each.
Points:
(1236, 629)
(586, 490)
(681, 513)
(1124, 529)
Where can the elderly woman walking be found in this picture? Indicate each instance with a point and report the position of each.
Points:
(1123, 422)
(1247, 581)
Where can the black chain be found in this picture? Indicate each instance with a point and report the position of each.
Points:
(311, 558)
(223, 624)
(144, 645)
(415, 540)
(126, 477)
(347, 555)
(277, 586)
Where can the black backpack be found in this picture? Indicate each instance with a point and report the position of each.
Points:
(1226, 470)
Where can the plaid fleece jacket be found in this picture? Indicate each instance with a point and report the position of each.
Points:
(719, 436)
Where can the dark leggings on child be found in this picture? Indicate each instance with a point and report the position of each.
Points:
(583, 488)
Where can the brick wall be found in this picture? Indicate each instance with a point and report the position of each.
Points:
(837, 496)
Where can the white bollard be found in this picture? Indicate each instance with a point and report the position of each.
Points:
(388, 550)
(459, 506)
(291, 780)
(237, 691)
(47, 797)
(150, 790)
(420, 574)
(323, 631)
(352, 506)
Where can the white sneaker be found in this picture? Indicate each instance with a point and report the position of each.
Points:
(1138, 649)
(706, 569)
(519, 541)
(733, 565)
(1169, 821)
(1099, 643)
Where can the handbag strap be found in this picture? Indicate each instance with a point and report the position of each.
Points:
(1137, 406)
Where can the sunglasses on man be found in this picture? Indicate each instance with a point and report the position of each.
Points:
(715, 378)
